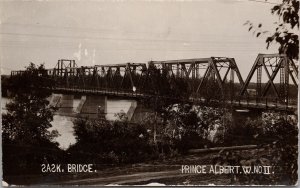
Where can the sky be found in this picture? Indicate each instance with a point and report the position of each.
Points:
(108, 32)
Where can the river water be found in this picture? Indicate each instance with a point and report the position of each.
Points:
(64, 124)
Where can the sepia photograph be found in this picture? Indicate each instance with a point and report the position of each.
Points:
(152, 93)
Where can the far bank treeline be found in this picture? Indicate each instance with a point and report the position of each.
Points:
(169, 132)
(4, 85)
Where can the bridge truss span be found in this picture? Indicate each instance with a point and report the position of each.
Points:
(198, 79)
(205, 77)
(281, 74)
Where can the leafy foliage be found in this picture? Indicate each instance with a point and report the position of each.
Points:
(26, 123)
(100, 141)
(277, 135)
(4, 85)
(287, 29)
(28, 116)
(187, 126)
(182, 128)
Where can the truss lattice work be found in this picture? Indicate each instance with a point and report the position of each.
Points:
(271, 65)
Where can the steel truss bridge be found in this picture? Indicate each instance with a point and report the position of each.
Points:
(201, 80)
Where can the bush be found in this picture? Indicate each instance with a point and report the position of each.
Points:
(101, 141)
(278, 136)
(187, 127)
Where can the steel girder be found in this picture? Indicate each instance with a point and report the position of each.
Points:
(200, 73)
(272, 64)
(118, 77)
(189, 77)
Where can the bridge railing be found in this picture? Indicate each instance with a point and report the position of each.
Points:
(234, 100)
(101, 90)
(265, 102)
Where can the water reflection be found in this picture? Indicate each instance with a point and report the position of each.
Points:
(64, 126)
(116, 106)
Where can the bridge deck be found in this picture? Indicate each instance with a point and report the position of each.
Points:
(236, 103)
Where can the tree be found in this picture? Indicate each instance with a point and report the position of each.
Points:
(286, 35)
(277, 135)
(101, 141)
(27, 120)
(287, 28)
(186, 126)
(4, 85)
(28, 116)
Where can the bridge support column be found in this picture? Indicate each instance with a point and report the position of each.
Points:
(80, 105)
(65, 104)
(54, 99)
(131, 110)
(140, 113)
(93, 106)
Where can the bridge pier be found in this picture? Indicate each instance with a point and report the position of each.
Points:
(132, 110)
(93, 106)
(65, 104)
(80, 105)
(54, 99)
(140, 113)
(90, 106)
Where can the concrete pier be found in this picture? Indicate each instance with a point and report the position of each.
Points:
(54, 99)
(65, 104)
(131, 110)
(80, 105)
(140, 113)
(93, 106)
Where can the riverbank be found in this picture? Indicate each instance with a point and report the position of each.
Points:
(163, 171)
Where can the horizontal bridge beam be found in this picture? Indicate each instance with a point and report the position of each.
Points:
(196, 60)
(121, 65)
